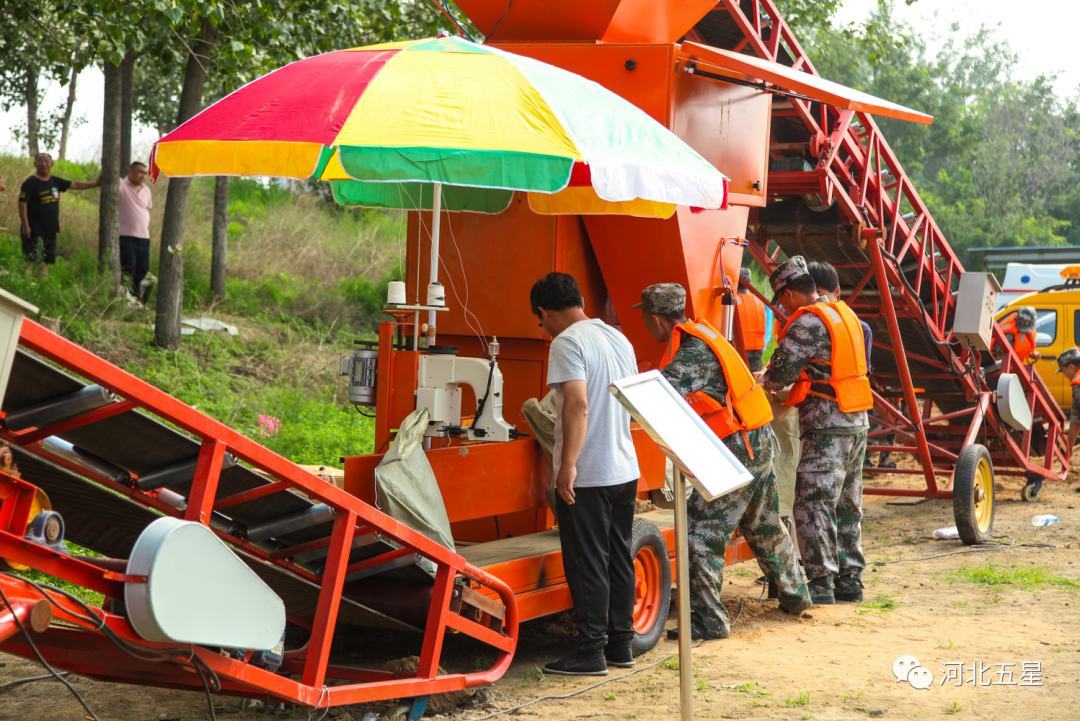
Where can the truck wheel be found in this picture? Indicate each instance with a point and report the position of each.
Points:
(973, 494)
(652, 585)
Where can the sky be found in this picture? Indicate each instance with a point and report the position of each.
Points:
(1031, 34)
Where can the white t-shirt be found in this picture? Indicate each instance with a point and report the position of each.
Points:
(594, 352)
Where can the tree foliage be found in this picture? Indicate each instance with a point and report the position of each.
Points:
(1000, 165)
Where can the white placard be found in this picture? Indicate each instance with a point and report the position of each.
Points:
(681, 434)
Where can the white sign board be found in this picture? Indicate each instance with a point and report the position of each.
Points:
(681, 434)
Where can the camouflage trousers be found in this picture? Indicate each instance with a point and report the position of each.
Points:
(828, 507)
(754, 510)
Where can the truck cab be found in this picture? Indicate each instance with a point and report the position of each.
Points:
(1056, 330)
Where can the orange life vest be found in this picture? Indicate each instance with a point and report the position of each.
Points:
(1075, 380)
(752, 320)
(848, 364)
(747, 405)
(1023, 343)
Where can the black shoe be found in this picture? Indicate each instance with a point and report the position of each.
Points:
(619, 657)
(849, 595)
(695, 634)
(578, 665)
(846, 588)
(821, 591)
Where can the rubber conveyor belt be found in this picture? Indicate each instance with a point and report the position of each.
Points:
(108, 523)
(780, 221)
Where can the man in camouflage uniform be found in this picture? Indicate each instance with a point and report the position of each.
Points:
(1069, 364)
(828, 491)
(753, 509)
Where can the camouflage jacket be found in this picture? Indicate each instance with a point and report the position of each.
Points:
(807, 340)
(696, 368)
(1074, 415)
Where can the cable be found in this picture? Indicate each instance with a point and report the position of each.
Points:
(168, 655)
(365, 415)
(31, 679)
(587, 688)
(505, 13)
(459, 26)
(41, 658)
(974, 549)
(479, 329)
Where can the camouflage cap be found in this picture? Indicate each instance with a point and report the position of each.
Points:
(663, 299)
(1071, 356)
(1025, 319)
(745, 275)
(787, 272)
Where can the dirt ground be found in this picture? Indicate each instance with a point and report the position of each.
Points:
(833, 663)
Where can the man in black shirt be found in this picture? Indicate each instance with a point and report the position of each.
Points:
(39, 208)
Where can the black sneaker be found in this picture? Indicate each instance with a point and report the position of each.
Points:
(619, 657)
(578, 665)
(821, 591)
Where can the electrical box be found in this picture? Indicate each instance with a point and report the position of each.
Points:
(975, 304)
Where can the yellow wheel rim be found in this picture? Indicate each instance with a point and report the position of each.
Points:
(984, 495)
(41, 503)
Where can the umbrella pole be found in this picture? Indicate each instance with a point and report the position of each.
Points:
(436, 206)
(682, 570)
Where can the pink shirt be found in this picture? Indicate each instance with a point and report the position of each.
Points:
(135, 204)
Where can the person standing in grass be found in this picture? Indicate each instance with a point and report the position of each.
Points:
(135, 205)
(39, 209)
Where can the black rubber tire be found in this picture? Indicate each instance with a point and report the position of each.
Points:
(965, 477)
(645, 533)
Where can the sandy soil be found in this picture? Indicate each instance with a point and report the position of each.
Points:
(833, 663)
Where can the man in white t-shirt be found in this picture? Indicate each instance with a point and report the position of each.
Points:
(135, 205)
(596, 474)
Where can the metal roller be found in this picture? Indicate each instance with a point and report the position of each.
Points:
(223, 523)
(63, 449)
(54, 410)
(175, 473)
(292, 522)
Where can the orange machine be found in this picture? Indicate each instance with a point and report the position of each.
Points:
(721, 103)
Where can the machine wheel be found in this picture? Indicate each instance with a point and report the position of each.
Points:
(1030, 493)
(652, 585)
(973, 494)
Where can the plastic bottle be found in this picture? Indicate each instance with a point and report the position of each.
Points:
(1043, 520)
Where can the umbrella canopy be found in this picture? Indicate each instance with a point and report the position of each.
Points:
(384, 123)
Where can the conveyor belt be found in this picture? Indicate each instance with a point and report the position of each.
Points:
(779, 221)
(107, 523)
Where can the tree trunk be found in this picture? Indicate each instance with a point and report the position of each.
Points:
(127, 85)
(66, 124)
(109, 208)
(32, 72)
(170, 293)
(219, 253)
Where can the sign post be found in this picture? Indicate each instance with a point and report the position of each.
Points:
(699, 457)
(682, 571)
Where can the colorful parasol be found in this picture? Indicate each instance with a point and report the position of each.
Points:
(400, 124)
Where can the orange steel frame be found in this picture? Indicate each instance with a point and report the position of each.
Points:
(87, 652)
(858, 169)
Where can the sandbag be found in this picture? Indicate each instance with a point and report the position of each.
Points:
(406, 489)
(540, 415)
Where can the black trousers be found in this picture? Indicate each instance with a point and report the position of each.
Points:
(134, 260)
(32, 251)
(596, 542)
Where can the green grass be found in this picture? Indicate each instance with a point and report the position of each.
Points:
(881, 604)
(1027, 578)
(92, 598)
(803, 699)
(672, 664)
(953, 709)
